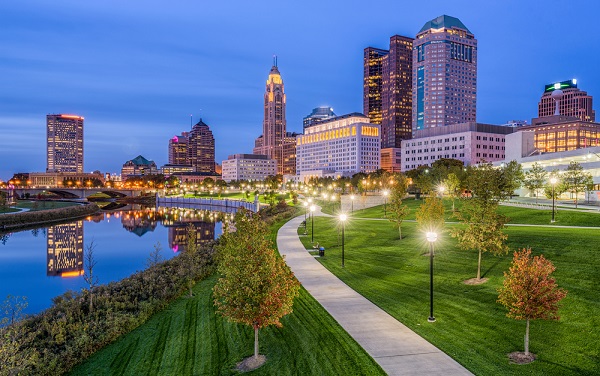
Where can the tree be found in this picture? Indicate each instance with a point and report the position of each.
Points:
(576, 180)
(88, 276)
(529, 292)
(535, 179)
(511, 176)
(430, 215)
(453, 187)
(11, 310)
(191, 248)
(397, 211)
(155, 257)
(256, 286)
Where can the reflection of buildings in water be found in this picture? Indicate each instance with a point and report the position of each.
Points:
(205, 231)
(65, 250)
(138, 223)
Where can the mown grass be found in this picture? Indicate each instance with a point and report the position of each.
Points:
(515, 214)
(471, 326)
(238, 196)
(189, 338)
(44, 205)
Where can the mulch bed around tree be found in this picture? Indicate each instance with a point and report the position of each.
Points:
(251, 363)
(519, 357)
(475, 281)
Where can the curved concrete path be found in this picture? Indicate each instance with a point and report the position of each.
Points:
(397, 349)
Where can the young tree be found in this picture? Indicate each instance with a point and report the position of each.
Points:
(511, 177)
(430, 215)
(256, 287)
(576, 179)
(453, 187)
(88, 276)
(529, 292)
(535, 179)
(398, 211)
(155, 257)
(191, 248)
(11, 310)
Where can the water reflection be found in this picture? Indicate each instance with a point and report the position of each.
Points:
(65, 250)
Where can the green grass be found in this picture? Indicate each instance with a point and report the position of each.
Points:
(44, 205)
(236, 196)
(189, 338)
(515, 214)
(8, 210)
(471, 327)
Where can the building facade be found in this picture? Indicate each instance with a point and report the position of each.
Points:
(342, 146)
(178, 149)
(65, 250)
(558, 133)
(373, 83)
(251, 167)
(318, 114)
(138, 166)
(270, 143)
(470, 143)
(201, 148)
(444, 74)
(571, 101)
(391, 159)
(64, 143)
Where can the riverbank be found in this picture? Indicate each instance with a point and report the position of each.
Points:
(30, 219)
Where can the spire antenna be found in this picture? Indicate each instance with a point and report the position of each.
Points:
(275, 60)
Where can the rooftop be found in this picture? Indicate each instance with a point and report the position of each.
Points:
(444, 22)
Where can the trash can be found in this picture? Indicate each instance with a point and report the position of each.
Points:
(321, 251)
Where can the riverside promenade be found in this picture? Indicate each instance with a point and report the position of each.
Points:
(396, 348)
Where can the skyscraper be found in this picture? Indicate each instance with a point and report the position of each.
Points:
(373, 83)
(201, 148)
(571, 101)
(318, 114)
(64, 143)
(178, 149)
(65, 250)
(274, 136)
(444, 74)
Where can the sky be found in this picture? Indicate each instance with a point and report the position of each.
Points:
(136, 70)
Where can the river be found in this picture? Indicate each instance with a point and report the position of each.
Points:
(46, 262)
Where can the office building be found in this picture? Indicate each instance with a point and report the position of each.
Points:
(342, 146)
(470, 143)
(201, 148)
(64, 245)
(553, 134)
(274, 136)
(137, 167)
(178, 149)
(318, 114)
(373, 83)
(64, 143)
(565, 99)
(251, 167)
(444, 74)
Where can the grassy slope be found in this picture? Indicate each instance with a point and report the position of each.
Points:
(471, 327)
(44, 205)
(189, 338)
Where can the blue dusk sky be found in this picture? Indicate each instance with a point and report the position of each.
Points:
(136, 70)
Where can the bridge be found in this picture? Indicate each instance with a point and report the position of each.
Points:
(77, 193)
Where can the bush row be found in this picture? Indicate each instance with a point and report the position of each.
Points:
(55, 340)
(11, 221)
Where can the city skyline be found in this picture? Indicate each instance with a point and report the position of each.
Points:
(148, 68)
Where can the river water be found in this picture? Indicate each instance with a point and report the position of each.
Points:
(46, 262)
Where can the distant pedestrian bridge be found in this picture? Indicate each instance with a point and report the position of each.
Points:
(75, 193)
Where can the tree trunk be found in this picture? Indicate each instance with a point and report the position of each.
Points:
(576, 199)
(479, 266)
(91, 301)
(400, 231)
(256, 342)
(527, 338)
(453, 205)
(535, 193)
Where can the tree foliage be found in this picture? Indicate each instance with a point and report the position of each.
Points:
(528, 290)
(535, 179)
(576, 179)
(256, 287)
(453, 186)
(430, 215)
(511, 177)
(398, 211)
(89, 277)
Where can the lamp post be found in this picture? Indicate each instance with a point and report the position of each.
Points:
(312, 223)
(305, 211)
(343, 218)
(385, 194)
(431, 238)
(441, 189)
(352, 201)
(553, 182)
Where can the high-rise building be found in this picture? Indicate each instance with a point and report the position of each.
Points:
(275, 141)
(201, 148)
(571, 101)
(444, 74)
(373, 83)
(138, 166)
(318, 114)
(178, 149)
(64, 143)
(254, 167)
(65, 250)
(396, 99)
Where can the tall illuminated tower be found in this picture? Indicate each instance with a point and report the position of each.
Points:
(271, 143)
(201, 148)
(444, 74)
(64, 143)
(65, 250)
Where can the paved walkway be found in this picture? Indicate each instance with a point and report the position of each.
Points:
(397, 349)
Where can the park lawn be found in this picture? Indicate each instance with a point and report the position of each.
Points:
(471, 326)
(238, 196)
(8, 210)
(515, 214)
(44, 205)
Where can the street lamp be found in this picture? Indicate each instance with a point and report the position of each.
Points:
(305, 211)
(385, 194)
(343, 218)
(441, 189)
(431, 238)
(312, 223)
(553, 182)
(352, 201)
